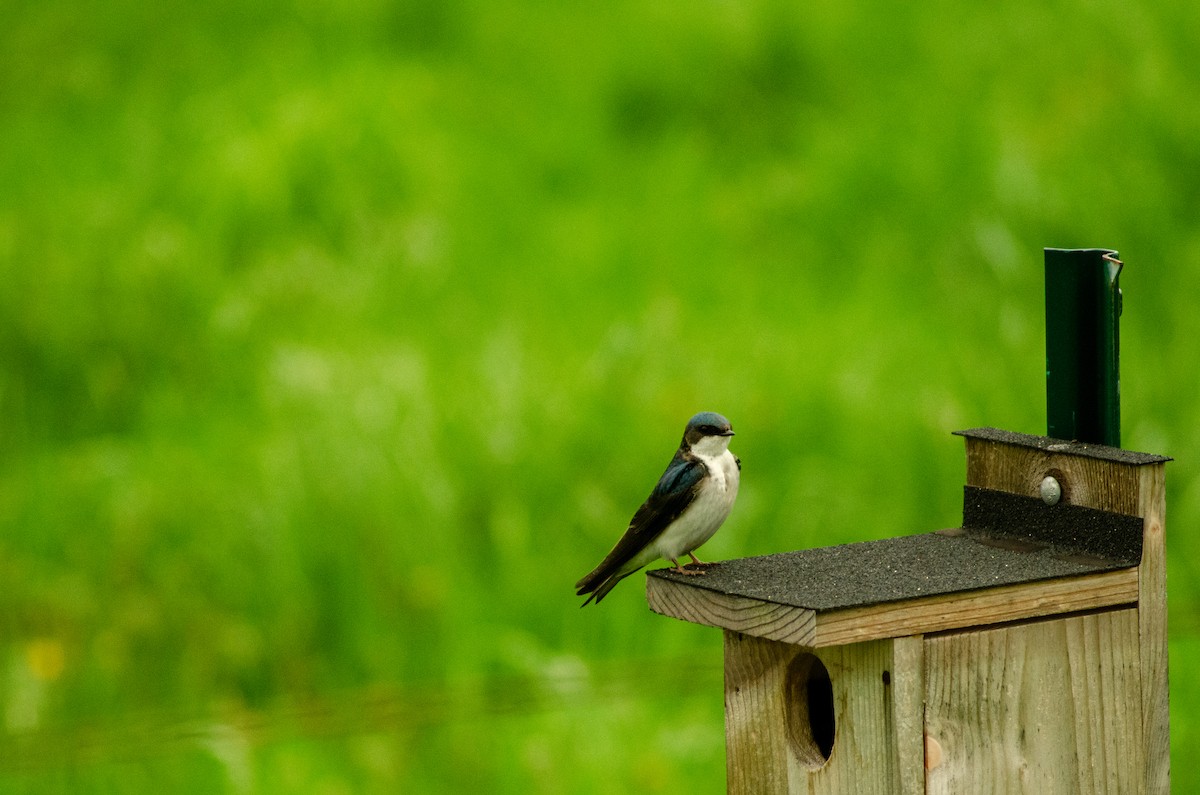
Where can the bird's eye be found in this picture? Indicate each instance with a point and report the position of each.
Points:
(708, 430)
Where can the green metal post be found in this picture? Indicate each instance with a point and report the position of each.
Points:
(1083, 310)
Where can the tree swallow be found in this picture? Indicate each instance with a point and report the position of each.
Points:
(692, 498)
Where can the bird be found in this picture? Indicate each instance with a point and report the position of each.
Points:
(690, 502)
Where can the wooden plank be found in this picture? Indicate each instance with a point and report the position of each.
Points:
(1152, 628)
(1096, 483)
(740, 614)
(804, 627)
(755, 732)
(865, 755)
(978, 608)
(908, 684)
(764, 749)
(1040, 708)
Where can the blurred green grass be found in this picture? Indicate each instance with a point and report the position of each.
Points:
(340, 339)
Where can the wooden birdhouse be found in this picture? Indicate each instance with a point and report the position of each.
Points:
(1022, 652)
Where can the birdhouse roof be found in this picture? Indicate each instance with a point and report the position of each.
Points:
(1015, 557)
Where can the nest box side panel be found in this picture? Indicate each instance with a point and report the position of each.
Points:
(1046, 707)
(1152, 628)
(779, 740)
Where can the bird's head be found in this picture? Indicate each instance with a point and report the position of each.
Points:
(708, 433)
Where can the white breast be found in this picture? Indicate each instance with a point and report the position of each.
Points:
(706, 513)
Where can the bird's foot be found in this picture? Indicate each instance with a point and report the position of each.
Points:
(689, 572)
(699, 563)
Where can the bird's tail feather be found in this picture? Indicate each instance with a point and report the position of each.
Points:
(598, 592)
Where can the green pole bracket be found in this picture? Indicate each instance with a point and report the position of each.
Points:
(1083, 311)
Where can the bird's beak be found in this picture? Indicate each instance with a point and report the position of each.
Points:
(727, 433)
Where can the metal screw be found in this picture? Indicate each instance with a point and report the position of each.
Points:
(1051, 491)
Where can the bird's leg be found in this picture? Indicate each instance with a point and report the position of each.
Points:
(697, 562)
(681, 570)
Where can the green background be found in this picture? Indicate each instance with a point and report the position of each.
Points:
(341, 338)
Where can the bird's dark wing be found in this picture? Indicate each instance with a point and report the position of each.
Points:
(671, 496)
